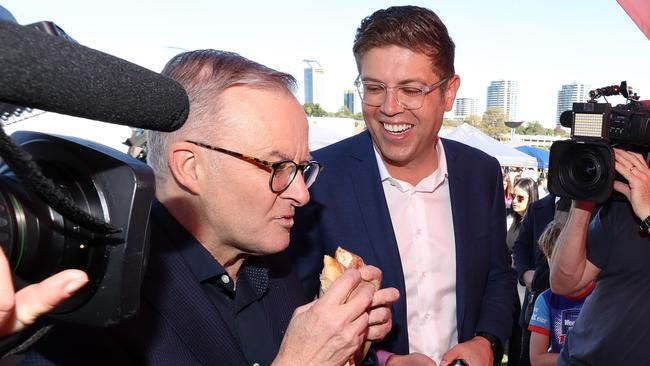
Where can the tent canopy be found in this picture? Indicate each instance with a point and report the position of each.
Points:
(506, 156)
(541, 155)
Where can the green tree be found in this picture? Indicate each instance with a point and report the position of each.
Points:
(344, 112)
(451, 122)
(533, 128)
(474, 120)
(493, 123)
(314, 110)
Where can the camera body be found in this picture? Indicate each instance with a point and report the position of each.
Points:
(39, 241)
(582, 168)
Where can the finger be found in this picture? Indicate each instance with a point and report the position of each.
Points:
(360, 299)
(359, 326)
(371, 273)
(450, 356)
(37, 299)
(379, 324)
(6, 289)
(385, 297)
(624, 159)
(624, 168)
(622, 188)
(638, 160)
(379, 315)
(341, 289)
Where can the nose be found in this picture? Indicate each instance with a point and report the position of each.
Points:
(297, 191)
(391, 104)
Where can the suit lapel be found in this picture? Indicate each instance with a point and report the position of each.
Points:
(372, 205)
(459, 211)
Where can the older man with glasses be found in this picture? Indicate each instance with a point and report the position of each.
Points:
(428, 212)
(217, 290)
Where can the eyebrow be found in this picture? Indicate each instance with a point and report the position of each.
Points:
(401, 82)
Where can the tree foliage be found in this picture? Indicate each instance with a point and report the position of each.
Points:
(451, 122)
(493, 122)
(314, 110)
(533, 128)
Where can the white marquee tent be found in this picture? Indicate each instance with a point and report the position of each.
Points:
(507, 156)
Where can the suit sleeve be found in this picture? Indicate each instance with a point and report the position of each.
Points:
(500, 295)
(524, 248)
(541, 278)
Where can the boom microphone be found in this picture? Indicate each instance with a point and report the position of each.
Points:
(41, 71)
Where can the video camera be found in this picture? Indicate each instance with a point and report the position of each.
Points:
(582, 167)
(70, 203)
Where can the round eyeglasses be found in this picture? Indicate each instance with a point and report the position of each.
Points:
(408, 97)
(282, 173)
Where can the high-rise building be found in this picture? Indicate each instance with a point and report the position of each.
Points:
(569, 94)
(465, 107)
(503, 94)
(352, 101)
(314, 82)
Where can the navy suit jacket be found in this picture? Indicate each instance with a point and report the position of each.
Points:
(528, 255)
(177, 324)
(348, 209)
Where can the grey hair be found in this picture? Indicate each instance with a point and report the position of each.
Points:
(205, 75)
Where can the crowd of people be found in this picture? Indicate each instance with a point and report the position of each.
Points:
(244, 214)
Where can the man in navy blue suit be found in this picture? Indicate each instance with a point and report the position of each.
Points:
(217, 290)
(428, 211)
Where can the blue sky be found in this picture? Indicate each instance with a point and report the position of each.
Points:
(541, 44)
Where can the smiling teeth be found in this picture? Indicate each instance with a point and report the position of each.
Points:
(397, 128)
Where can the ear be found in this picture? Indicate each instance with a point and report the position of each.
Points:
(184, 161)
(450, 92)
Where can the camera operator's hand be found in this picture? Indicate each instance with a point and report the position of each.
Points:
(20, 309)
(632, 166)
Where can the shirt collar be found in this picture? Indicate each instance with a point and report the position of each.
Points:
(203, 265)
(429, 184)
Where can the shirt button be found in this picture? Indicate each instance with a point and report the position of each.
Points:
(256, 364)
(225, 278)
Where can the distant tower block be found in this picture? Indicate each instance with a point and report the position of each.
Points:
(314, 82)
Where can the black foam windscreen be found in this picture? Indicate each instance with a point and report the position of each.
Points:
(45, 72)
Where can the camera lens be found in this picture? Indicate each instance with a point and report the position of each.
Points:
(38, 241)
(581, 170)
(586, 170)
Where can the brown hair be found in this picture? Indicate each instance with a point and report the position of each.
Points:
(508, 191)
(415, 28)
(205, 74)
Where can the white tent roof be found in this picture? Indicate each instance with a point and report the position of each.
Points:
(321, 136)
(507, 156)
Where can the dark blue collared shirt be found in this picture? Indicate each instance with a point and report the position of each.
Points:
(240, 306)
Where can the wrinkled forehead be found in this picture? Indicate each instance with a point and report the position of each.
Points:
(268, 122)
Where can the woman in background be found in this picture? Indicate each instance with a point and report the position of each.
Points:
(523, 194)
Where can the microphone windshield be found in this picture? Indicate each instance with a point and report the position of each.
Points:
(49, 73)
